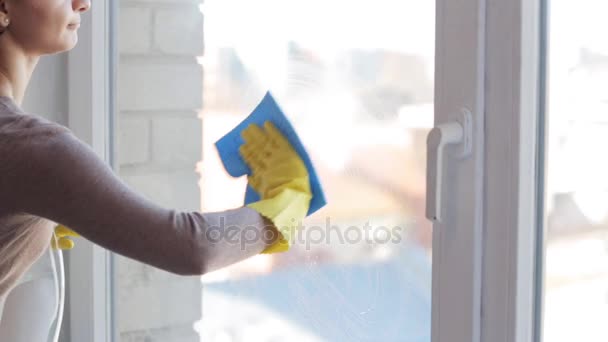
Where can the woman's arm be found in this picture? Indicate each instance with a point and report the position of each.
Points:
(62, 179)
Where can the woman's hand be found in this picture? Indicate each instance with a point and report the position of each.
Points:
(61, 238)
(275, 165)
(281, 179)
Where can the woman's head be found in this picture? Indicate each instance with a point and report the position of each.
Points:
(41, 27)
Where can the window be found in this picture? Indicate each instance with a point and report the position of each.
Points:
(357, 80)
(359, 90)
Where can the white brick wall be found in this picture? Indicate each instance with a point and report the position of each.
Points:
(135, 25)
(172, 142)
(171, 189)
(134, 140)
(160, 311)
(171, 27)
(153, 85)
(159, 145)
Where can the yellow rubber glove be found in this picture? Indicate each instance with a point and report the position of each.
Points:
(61, 239)
(280, 177)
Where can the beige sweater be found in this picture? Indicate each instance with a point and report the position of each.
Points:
(49, 176)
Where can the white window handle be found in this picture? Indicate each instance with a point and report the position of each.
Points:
(450, 133)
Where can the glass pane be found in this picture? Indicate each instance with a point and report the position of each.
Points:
(356, 80)
(576, 269)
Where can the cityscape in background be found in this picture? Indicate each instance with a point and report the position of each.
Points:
(360, 93)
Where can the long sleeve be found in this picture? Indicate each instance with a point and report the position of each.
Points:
(63, 180)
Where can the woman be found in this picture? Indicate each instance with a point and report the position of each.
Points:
(49, 177)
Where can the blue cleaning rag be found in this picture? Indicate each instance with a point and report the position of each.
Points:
(228, 149)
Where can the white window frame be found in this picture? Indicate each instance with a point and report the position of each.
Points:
(485, 267)
(91, 104)
(457, 243)
(484, 251)
(514, 209)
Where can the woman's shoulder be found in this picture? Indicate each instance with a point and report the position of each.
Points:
(26, 142)
(28, 130)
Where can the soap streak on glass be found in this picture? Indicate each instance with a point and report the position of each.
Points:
(356, 80)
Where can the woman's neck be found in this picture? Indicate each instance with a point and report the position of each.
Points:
(16, 69)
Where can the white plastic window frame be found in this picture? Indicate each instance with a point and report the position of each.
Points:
(91, 107)
(486, 274)
(484, 251)
(516, 38)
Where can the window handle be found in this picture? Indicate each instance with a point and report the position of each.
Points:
(456, 132)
